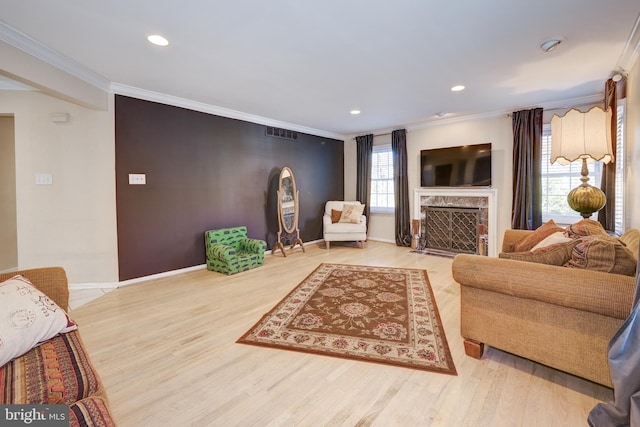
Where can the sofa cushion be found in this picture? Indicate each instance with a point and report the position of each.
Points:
(585, 227)
(535, 237)
(352, 213)
(27, 318)
(602, 253)
(342, 227)
(56, 372)
(90, 412)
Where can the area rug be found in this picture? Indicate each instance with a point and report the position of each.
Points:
(376, 314)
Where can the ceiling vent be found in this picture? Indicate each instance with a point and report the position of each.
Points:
(281, 133)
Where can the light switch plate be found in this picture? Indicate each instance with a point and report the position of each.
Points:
(44, 179)
(137, 179)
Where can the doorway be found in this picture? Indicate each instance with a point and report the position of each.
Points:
(8, 216)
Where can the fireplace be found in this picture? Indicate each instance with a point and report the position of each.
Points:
(457, 220)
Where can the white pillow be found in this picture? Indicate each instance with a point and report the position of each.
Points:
(552, 239)
(352, 213)
(27, 318)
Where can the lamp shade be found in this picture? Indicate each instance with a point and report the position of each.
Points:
(578, 135)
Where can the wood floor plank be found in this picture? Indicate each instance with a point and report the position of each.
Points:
(166, 351)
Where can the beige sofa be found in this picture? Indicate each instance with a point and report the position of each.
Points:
(57, 371)
(557, 316)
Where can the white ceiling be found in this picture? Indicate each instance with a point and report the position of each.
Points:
(308, 63)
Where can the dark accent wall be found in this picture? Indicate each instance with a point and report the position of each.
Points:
(205, 172)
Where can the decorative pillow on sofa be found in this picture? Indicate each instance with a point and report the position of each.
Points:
(535, 237)
(27, 318)
(585, 227)
(552, 239)
(557, 254)
(351, 213)
(602, 253)
(335, 216)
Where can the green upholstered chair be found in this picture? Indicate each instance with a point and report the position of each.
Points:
(230, 251)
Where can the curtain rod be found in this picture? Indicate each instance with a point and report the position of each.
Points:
(566, 108)
(381, 134)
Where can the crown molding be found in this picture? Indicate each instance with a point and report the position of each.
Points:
(552, 105)
(631, 50)
(175, 101)
(36, 49)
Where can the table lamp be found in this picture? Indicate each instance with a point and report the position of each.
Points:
(585, 136)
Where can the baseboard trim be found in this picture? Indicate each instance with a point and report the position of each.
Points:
(115, 285)
(376, 239)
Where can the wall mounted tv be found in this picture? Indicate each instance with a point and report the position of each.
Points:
(463, 166)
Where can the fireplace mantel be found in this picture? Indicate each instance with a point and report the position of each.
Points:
(485, 197)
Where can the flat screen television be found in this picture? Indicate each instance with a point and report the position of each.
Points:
(463, 166)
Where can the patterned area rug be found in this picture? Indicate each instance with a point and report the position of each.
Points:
(378, 314)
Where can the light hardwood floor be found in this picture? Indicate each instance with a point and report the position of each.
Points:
(166, 352)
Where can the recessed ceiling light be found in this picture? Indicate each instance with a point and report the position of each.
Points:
(457, 88)
(441, 114)
(550, 44)
(158, 40)
(355, 112)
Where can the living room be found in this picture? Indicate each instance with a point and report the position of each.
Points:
(77, 222)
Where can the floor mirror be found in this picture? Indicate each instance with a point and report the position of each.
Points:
(288, 210)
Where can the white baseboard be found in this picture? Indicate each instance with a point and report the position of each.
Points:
(375, 239)
(114, 285)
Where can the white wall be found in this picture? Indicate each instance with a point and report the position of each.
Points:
(71, 223)
(497, 131)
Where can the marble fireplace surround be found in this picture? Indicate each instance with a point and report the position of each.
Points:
(484, 198)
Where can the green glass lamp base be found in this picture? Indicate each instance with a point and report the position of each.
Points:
(586, 199)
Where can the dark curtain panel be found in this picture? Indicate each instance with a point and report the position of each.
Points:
(401, 187)
(363, 182)
(607, 215)
(527, 188)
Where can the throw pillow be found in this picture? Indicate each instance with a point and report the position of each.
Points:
(351, 213)
(335, 215)
(27, 318)
(602, 253)
(552, 239)
(557, 254)
(535, 237)
(585, 227)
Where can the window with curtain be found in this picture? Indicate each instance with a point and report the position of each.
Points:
(382, 197)
(558, 180)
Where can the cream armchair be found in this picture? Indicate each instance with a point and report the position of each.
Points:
(335, 231)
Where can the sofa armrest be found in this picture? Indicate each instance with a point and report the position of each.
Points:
(221, 252)
(597, 292)
(52, 281)
(252, 245)
(326, 220)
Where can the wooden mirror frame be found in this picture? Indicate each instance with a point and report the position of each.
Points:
(288, 192)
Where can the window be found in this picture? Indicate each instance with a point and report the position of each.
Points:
(382, 194)
(558, 180)
(620, 161)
